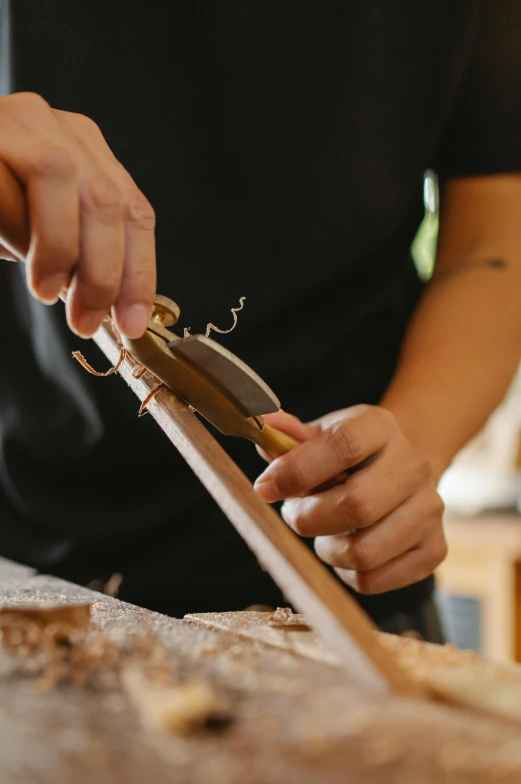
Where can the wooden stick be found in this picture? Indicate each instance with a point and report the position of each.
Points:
(303, 579)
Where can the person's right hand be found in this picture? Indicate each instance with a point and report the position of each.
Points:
(91, 228)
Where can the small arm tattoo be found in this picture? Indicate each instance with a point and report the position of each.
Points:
(499, 264)
(493, 264)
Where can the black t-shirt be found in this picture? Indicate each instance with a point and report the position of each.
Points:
(283, 146)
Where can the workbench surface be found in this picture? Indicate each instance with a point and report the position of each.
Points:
(293, 719)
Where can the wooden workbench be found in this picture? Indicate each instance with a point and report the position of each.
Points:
(295, 718)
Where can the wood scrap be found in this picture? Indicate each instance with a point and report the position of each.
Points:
(284, 618)
(180, 708)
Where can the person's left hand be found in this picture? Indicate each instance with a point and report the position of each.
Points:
(381, 528)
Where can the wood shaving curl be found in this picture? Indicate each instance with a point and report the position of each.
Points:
(137, 372)
(211, 326)
(123, 354)
(151, 395)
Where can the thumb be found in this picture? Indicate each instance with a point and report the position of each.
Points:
(291, 425)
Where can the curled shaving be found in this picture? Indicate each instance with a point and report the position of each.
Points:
(151, 395)
(137, 373)
(83, 362)
(225, 331)
(138, 370)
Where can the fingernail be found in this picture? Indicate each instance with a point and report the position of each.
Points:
(49, 288)
(87, 324)
(266, 488)
(134, 320)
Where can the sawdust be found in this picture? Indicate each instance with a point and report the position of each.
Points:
(55, 651)
(56, 647)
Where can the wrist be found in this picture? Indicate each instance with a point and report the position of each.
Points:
(416, 421)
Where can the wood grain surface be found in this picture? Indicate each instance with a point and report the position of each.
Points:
(294, 720)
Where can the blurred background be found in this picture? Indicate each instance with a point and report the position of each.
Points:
(479, 584)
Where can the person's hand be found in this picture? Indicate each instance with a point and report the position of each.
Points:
(381, 528)
(91, 228)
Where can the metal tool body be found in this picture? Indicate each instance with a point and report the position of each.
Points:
(222, 388)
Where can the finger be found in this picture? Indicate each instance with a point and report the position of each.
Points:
(390, 537)
(50, 180)
(134, 302)
(134, 305)
(97, 277)
(41, 161)
(415, 565)
(364, 498)
(290, 424)
(359, 434)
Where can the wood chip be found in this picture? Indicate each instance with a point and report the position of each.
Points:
(113, 584)
(284, 618)
(180, 708)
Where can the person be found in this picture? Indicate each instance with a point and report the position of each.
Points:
(280, 151)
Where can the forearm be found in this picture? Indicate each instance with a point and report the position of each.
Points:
(463, 345)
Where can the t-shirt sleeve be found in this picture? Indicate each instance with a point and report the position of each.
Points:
(483, 132)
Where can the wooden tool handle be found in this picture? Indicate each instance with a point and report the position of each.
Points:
(14, 224)
(274, 442)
